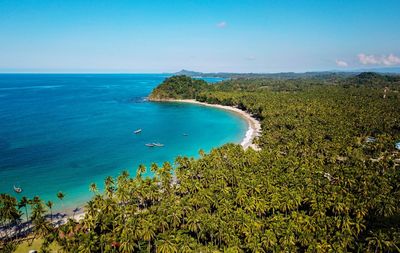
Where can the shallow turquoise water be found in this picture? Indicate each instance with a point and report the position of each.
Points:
(62, 132)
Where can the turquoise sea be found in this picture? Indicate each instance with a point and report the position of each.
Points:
(61, 132)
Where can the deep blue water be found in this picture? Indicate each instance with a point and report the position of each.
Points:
(62, 132)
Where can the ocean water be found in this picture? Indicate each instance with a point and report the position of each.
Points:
(63, 132)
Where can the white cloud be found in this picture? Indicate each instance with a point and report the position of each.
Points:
(222, 24)
(389, 60)
(368, 59)
(341, 63)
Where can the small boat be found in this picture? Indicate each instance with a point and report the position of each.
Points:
(17, 189)
(158, 144)
(137, 131)
(185, 134)
(149, 144)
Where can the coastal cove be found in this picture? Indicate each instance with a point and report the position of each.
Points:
(254, 126)
(78, 129)
(253, 131)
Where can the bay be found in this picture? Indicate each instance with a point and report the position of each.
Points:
(61, 132)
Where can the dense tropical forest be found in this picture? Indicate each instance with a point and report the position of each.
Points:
(327, 178)
(178, 87)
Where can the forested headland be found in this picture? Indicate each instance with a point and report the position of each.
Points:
(327, 177)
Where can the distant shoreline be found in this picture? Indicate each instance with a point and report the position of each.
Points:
(254, 126)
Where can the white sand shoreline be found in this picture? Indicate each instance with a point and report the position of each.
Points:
(254, 126)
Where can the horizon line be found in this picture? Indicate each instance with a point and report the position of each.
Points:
(223, 72)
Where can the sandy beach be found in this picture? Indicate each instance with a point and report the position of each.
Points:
(254, 126)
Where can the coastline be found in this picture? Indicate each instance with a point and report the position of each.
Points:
(253, 131)
(254, 126)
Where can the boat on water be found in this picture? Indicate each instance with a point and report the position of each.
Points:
(137, 131)
(17, 189)
(154, 144)
(185, 134)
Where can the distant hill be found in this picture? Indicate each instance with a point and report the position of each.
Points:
(373, 78)
(289, 75)
(391, 70)
(282, 75)
(188, 73)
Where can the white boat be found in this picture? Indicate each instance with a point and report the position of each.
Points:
(17, 189)
(149, 144)
(158, 144)
(137, 131)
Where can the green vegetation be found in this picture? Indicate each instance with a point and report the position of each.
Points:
(327, 178)
(178, 87)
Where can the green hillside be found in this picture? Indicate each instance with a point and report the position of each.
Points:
(178, 87)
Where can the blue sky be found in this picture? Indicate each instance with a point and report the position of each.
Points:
(210, 36)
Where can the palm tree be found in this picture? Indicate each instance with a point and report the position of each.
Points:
(49, 204)
(109, 183)
(148, 231)
(41, 226)
(125, 174)
(9, 214)
(154, 168)
(93, 188)
(24, 203)
(140, 171)
(128, 243)
(61, 196)
(166, 244)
